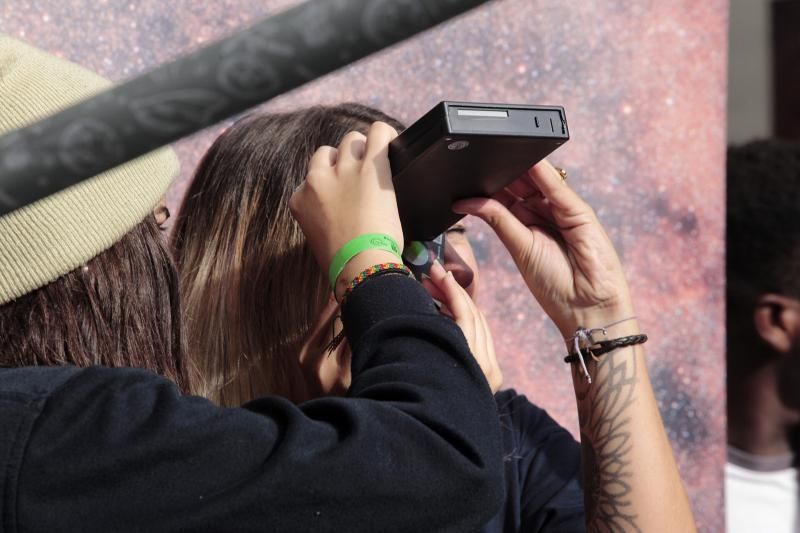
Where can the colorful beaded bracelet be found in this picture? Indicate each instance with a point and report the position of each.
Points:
(373, 271)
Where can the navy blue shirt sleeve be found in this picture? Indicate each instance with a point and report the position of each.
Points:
(416, 446)
(542, 470)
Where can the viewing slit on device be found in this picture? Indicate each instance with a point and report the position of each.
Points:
(485, 113)
(463, 150)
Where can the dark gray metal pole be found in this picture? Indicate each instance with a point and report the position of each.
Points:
(180, 98)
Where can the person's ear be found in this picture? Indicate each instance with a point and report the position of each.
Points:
(319, 332)
(327, 371)
(777, 321)
(334, 372)
(161, 212)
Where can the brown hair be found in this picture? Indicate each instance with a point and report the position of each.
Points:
(119, 310)
(251, 288)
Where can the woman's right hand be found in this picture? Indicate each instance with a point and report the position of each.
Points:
(349, 192)
(459, 306)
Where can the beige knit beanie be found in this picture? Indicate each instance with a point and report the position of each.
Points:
(52, 237)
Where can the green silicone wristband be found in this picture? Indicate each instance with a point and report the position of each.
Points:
(368, 241)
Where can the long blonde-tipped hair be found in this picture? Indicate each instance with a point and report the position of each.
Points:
(251, 289)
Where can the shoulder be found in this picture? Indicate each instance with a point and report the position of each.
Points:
(532, 439)
(543, 465)
(70, 396)
(58, 387)
(37, 381)
(526, 419)
(33, 382)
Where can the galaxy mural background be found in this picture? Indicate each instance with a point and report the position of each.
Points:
(643, 84)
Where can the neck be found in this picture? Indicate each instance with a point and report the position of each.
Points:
(758, 421)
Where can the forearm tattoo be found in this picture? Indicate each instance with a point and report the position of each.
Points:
(606, 440)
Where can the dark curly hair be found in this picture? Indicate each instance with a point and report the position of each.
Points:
(762, 236)
(763, 221)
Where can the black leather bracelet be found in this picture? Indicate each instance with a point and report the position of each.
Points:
(603, 347)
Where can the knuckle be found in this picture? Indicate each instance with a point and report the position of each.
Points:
(321, 153)
(383, 128)
(493, 218)
(314, 177)
(354, 136)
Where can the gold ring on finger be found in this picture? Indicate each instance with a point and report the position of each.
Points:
(562, 173)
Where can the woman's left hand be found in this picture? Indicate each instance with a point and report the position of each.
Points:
(560, 247)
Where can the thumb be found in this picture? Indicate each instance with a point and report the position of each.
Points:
(514, 235)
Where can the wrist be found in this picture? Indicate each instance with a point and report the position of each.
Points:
(614, 317)
(356, 246)
(358, 264)
(616, 329)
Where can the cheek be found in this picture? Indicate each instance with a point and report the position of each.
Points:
(469, 258)
(473, 290)
(476, 277)
(466, 257)
(473, 264)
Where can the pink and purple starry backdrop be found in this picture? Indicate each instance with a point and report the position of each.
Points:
(643, 84)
